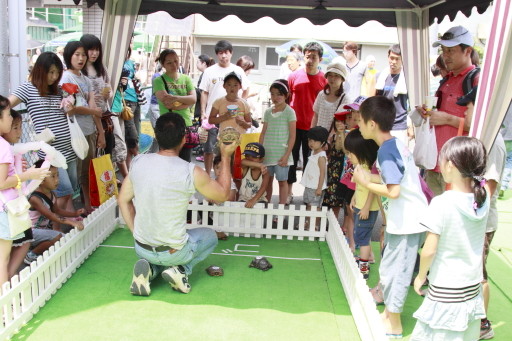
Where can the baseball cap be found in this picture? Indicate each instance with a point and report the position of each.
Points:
(341, 116)
(318, 133)
(234, 75)
(455, 36)
(470, 97)
(254, 149)
(356, 104)
(338, 69)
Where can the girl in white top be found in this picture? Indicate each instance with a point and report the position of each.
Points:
(331, 98)
(315, 174)
(455, 223)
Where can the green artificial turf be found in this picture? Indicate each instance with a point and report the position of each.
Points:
(298, 299)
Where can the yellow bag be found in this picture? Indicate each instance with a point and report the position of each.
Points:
(248, 138)
(102, 180)
(126, 113)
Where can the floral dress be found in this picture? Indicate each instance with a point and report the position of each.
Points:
(333, 196)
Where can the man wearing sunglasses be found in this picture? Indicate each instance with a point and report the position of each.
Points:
(457, 46)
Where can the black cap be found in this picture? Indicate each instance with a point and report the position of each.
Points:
(470, 97)
(234, 75)
(318, 134)
(254, 149)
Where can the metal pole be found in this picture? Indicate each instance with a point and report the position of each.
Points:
(4, 50)
(17, 43)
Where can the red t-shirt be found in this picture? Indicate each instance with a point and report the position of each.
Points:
(449, 92)
(303, 91)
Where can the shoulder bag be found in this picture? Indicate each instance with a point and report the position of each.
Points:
(17, 212)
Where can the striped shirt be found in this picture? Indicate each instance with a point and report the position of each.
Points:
(453, 295)
(45, 112)
(277, 134)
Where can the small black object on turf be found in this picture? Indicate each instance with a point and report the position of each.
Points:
(260, 263)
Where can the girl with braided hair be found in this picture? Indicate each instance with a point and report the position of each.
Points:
(455, 222)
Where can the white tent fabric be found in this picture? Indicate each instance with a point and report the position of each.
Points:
(414, 39)
(116, 33)
(495, 87)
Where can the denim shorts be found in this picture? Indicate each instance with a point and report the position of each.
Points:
(363, 228)
(310, 198)
(281, 173)
(43, 235)
(210, 143)
(68, 180)
(5, 233)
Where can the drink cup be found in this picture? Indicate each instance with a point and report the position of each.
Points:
(430, 103)
(232, 109)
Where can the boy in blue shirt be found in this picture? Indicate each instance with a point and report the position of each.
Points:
(403, 202)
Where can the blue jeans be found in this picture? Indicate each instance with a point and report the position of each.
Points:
(68, 180)
(200, 244)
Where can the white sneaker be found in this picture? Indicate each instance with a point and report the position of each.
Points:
(140, 281)
(177, 278)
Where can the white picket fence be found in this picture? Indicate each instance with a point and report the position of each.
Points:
(29, 291)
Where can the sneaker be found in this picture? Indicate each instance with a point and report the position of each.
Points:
(177, 278)
(486, 331)
(140, 281)
(365, 269)
(30, 257)
(200, 158)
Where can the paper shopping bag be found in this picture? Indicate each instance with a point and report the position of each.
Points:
(102, 180)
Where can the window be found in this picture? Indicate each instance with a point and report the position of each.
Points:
(273, 58)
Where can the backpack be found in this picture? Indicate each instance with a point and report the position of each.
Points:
(467, 83)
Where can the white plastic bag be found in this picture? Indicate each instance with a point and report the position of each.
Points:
(78, 140)
(425, 149)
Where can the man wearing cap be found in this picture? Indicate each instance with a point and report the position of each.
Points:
(457, 46)
(391, 83)
(212, 86)
(304, 85)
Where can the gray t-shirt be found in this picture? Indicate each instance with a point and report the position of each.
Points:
(352, 86)
(162, 186)
(85, 122)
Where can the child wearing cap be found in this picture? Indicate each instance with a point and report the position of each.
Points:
(232, 111)
(315, 174)
(255, 176)
(332, 97)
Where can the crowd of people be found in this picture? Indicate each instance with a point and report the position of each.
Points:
(349, 126)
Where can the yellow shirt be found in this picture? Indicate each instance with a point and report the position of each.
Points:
(243, 108)
(362, 194)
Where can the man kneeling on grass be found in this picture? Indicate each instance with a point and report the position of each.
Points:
(154, 200)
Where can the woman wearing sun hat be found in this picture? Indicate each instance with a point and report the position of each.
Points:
(332, 97)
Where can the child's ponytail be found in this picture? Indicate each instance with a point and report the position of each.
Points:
(469, 156)
(479, 190)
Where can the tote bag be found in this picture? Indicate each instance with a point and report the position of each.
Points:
(102, 179)
(425, 149)
(17, 213)
(78, 141)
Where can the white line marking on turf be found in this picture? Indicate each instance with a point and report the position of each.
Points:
(290, 258)
(222, 254)
(239, 250)
(118, 246)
